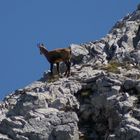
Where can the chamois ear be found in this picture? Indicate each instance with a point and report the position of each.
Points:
(41, 44)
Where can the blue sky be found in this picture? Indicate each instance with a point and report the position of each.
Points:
(24, 23)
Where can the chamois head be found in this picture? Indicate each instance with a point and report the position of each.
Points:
(41, 48)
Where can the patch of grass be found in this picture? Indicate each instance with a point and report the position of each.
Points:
(112, 66)
(53, 78)
(86, 93)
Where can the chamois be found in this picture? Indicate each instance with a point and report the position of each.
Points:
(56, 56)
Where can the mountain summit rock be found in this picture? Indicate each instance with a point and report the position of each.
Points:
(100, 100)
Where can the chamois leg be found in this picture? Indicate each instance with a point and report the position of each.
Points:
(58, 68)
(66, 68)
(67, 73)
(69, 65)
(51, 68)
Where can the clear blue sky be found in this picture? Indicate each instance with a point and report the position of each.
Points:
(24, 23)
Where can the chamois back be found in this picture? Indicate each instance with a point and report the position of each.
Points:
(60, 55)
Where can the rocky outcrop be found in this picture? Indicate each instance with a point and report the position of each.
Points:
(100, 100)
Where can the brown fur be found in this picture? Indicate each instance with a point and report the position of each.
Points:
(56, 56)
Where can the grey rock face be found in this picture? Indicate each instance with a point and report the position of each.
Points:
(79, 53)
(100, 100)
